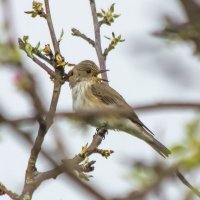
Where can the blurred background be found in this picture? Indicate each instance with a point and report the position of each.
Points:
(158, 62)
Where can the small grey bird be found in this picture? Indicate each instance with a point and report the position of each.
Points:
(90, 93)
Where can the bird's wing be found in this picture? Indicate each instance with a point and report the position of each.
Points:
(109, 96)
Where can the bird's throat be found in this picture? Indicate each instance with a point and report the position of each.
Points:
(82, 96)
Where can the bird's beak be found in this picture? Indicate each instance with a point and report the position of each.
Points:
(102, 71)
(101, 79)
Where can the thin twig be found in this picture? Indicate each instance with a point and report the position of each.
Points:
(31, 168)
(57, 169)
(77, 33)
(186, 183)
(97, 139)
(51, 28)
(107, 50)
(37, 61)
(43, 57)
(66, 166)
(167, 105)
(45, 67)
(71, 164)
(4, 190)
(98, 38)
(141, 194)
(164, 174)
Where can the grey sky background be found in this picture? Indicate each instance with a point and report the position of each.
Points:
(143, 69)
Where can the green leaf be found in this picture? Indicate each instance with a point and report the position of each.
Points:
(84, 176)
(61, 36)
(29, 49)
(28, 12)
(100, 15)
(9, 54)
(103, 11)
(37, 46)
(177, 149)
(25, 38)
(112, 7)
(116, 15)
(34, 14)
(107, 37)
(192, 162)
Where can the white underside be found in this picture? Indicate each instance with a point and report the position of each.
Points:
(82, 102)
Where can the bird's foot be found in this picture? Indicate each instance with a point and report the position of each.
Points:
(102, 131)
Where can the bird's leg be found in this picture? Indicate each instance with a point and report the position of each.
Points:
(102, 131)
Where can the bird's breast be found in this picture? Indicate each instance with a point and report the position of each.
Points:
(82, 96)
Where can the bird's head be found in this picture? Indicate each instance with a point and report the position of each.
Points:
(84, 71)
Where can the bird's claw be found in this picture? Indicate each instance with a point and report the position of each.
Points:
(102, 131)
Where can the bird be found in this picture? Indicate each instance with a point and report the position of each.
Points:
(91, 93)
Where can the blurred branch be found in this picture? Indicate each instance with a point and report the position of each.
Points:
(192, 10)
(167, 105)
(186, 183)
(186, 31)
(68, 165)
(163, 173)
(55, 172)
(98, 48)
(141, 194)
(139, 108)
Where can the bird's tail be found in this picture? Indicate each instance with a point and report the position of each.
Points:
(159, 147)
(148, 137)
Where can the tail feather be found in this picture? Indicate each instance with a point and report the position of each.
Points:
(146, 135)
(143, 133)
(159, 147)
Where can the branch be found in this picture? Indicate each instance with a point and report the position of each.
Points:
(97, 139)
(77, 33)
(31, 170)
(186, 183)
(72, 164)
(37, 61)
(4, 190)
(137, 195)
(164, 174)
(51, 28)
(98, 39)
(167, 105)
(43, 66)
(107, 50)
(68, 173)
(68, 164)
(139, 108)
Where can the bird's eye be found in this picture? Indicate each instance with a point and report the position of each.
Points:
(88, 71)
